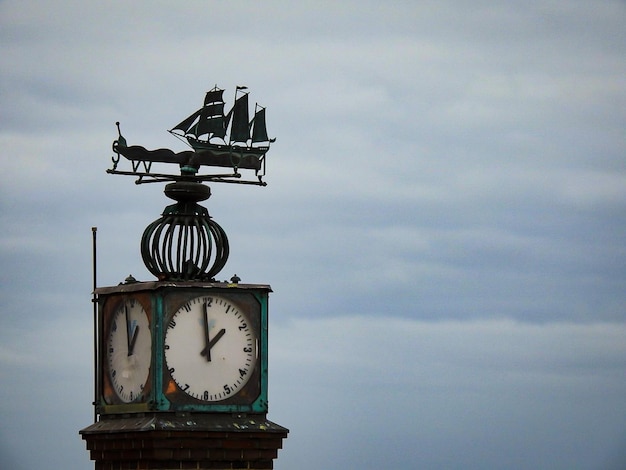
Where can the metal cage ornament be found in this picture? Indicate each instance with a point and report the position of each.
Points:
(185, 244)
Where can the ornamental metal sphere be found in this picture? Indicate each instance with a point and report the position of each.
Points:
(185, 244)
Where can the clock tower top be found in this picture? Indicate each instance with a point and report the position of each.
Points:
(181, 362)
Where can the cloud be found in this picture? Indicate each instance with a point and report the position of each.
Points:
(456, 394)
(443, 226)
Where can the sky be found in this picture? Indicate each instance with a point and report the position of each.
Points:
(443, 228)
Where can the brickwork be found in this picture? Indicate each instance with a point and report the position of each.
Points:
(119, 447)
(165, 450)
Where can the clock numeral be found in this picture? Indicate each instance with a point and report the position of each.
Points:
(166, 347)
(243, 326)
(131, 396)
(113, 373)
(209, 301)
(242, 372)
(205, 396)
(227, 389)
(171, 370)
(247, 350)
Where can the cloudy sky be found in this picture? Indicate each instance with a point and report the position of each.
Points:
(444, 225)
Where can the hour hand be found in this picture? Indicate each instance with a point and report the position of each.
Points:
(210, 343)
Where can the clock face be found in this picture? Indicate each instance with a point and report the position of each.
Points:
(211, 348)
(129, 350)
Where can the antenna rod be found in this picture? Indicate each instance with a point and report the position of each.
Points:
(94, 300)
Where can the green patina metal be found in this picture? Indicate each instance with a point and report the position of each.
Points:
(157, 401)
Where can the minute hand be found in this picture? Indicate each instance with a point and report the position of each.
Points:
(131, 333)
(208, 342)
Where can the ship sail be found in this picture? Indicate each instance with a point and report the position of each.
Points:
(208, 120)
(259, 130)
(247, 141)
(186, 125)
(240, 129)
(212, 121)
(214, 96)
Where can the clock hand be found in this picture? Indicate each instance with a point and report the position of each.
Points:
(131, 347)
(209, 343)
(217, 338)
(207, 350)
(131, 333)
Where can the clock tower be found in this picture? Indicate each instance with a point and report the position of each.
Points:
(181, 361)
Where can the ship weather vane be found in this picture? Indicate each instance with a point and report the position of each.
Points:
(185, 243)
(230, 141)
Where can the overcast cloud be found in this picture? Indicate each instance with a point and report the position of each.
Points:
(444, 224)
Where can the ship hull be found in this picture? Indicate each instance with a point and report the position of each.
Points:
(228, 156)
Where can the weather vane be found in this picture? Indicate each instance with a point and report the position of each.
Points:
(229, 140)
(186, 244)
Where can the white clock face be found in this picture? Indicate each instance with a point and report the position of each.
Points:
(210, 348)
(129, 350)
